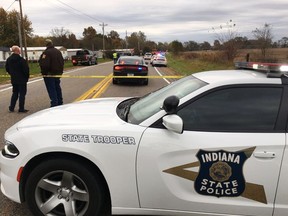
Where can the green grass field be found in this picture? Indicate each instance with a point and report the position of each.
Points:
(35, 70)
(184, 63)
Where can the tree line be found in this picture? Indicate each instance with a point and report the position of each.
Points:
(229, 42)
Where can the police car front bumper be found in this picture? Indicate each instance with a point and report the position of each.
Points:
(8, 179)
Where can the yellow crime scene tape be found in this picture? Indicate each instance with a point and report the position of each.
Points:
(103, 77)
(101, 86)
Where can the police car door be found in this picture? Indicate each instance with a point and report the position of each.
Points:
(226, 161)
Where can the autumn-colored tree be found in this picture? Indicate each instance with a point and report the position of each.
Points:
(114, 40)
(191, 46)
(176, 47)
(9, 31)
(92, 40)
(137, 41)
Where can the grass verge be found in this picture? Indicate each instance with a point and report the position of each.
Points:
(184, 64)
(35, 70)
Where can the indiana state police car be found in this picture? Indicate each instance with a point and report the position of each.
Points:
(213, 143)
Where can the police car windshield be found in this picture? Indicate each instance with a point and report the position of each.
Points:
(152, 103)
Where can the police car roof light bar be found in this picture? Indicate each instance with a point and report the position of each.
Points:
(273, 70)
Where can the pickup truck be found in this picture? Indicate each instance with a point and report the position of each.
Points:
(84, 57)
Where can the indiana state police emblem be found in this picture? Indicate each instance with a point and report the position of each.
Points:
(221, 173)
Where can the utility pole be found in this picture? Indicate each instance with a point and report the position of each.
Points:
(20, 34)
(23, 30)
(103, 26)
(126, 40)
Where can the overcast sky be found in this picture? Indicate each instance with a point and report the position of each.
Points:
(160, 20)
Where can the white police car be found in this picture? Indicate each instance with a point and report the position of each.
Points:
(214, 143)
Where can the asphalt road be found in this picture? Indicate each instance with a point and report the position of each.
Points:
(37, 99)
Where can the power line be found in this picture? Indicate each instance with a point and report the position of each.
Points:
(10, 5)
(79, 11)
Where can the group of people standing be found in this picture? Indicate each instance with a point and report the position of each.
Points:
(52, 65)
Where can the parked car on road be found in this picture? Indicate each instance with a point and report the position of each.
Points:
(84, 57)
(159, 60)
(213, 143)
(152, 58)
(131, 67)
(147, 57)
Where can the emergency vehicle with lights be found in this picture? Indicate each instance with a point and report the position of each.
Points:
(212, 143)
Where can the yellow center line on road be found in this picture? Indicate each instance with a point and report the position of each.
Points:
(100, 87)
(96, 90)
(99, 77)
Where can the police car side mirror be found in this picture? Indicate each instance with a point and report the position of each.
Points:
(170, 104)
(173, 123)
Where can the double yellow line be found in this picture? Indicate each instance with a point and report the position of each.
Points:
(103, 77)
(100, 87)
(97, 90)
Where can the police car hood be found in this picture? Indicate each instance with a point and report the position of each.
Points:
(89, 112)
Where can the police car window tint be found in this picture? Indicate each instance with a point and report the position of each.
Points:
(234, 109)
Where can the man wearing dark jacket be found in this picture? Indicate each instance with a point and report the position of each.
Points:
(52, 66)
(18, 69)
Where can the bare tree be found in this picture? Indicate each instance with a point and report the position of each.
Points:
(264, 38)
(60, 36)
(228, 40)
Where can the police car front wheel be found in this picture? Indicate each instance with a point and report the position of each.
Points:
(64, 187)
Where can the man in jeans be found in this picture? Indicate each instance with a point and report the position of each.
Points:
(52, 66)
(18, 69)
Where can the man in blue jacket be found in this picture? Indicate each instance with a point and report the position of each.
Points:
(52, 66)
(18, 69)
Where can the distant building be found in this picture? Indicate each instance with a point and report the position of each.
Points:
(4, 54)
(34, 53)
(71, 52)
(127, 52)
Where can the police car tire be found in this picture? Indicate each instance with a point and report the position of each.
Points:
(95, 204)
(114, 81)
(145, 82)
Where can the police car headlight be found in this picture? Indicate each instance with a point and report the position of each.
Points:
(10, 150)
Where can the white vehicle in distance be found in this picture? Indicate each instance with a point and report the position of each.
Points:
(152, 58)
(159, 60)
(213, 143)
(147, 56)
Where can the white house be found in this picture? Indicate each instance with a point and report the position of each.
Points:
(4, 54)
(71, 52)
(34, 53)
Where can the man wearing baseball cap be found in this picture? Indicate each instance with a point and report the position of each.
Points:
(52, 66)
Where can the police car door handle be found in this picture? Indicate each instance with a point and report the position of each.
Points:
(264, 154)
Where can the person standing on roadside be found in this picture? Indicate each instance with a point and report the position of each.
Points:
(115, 57)
(18, 69)
(52, 65)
